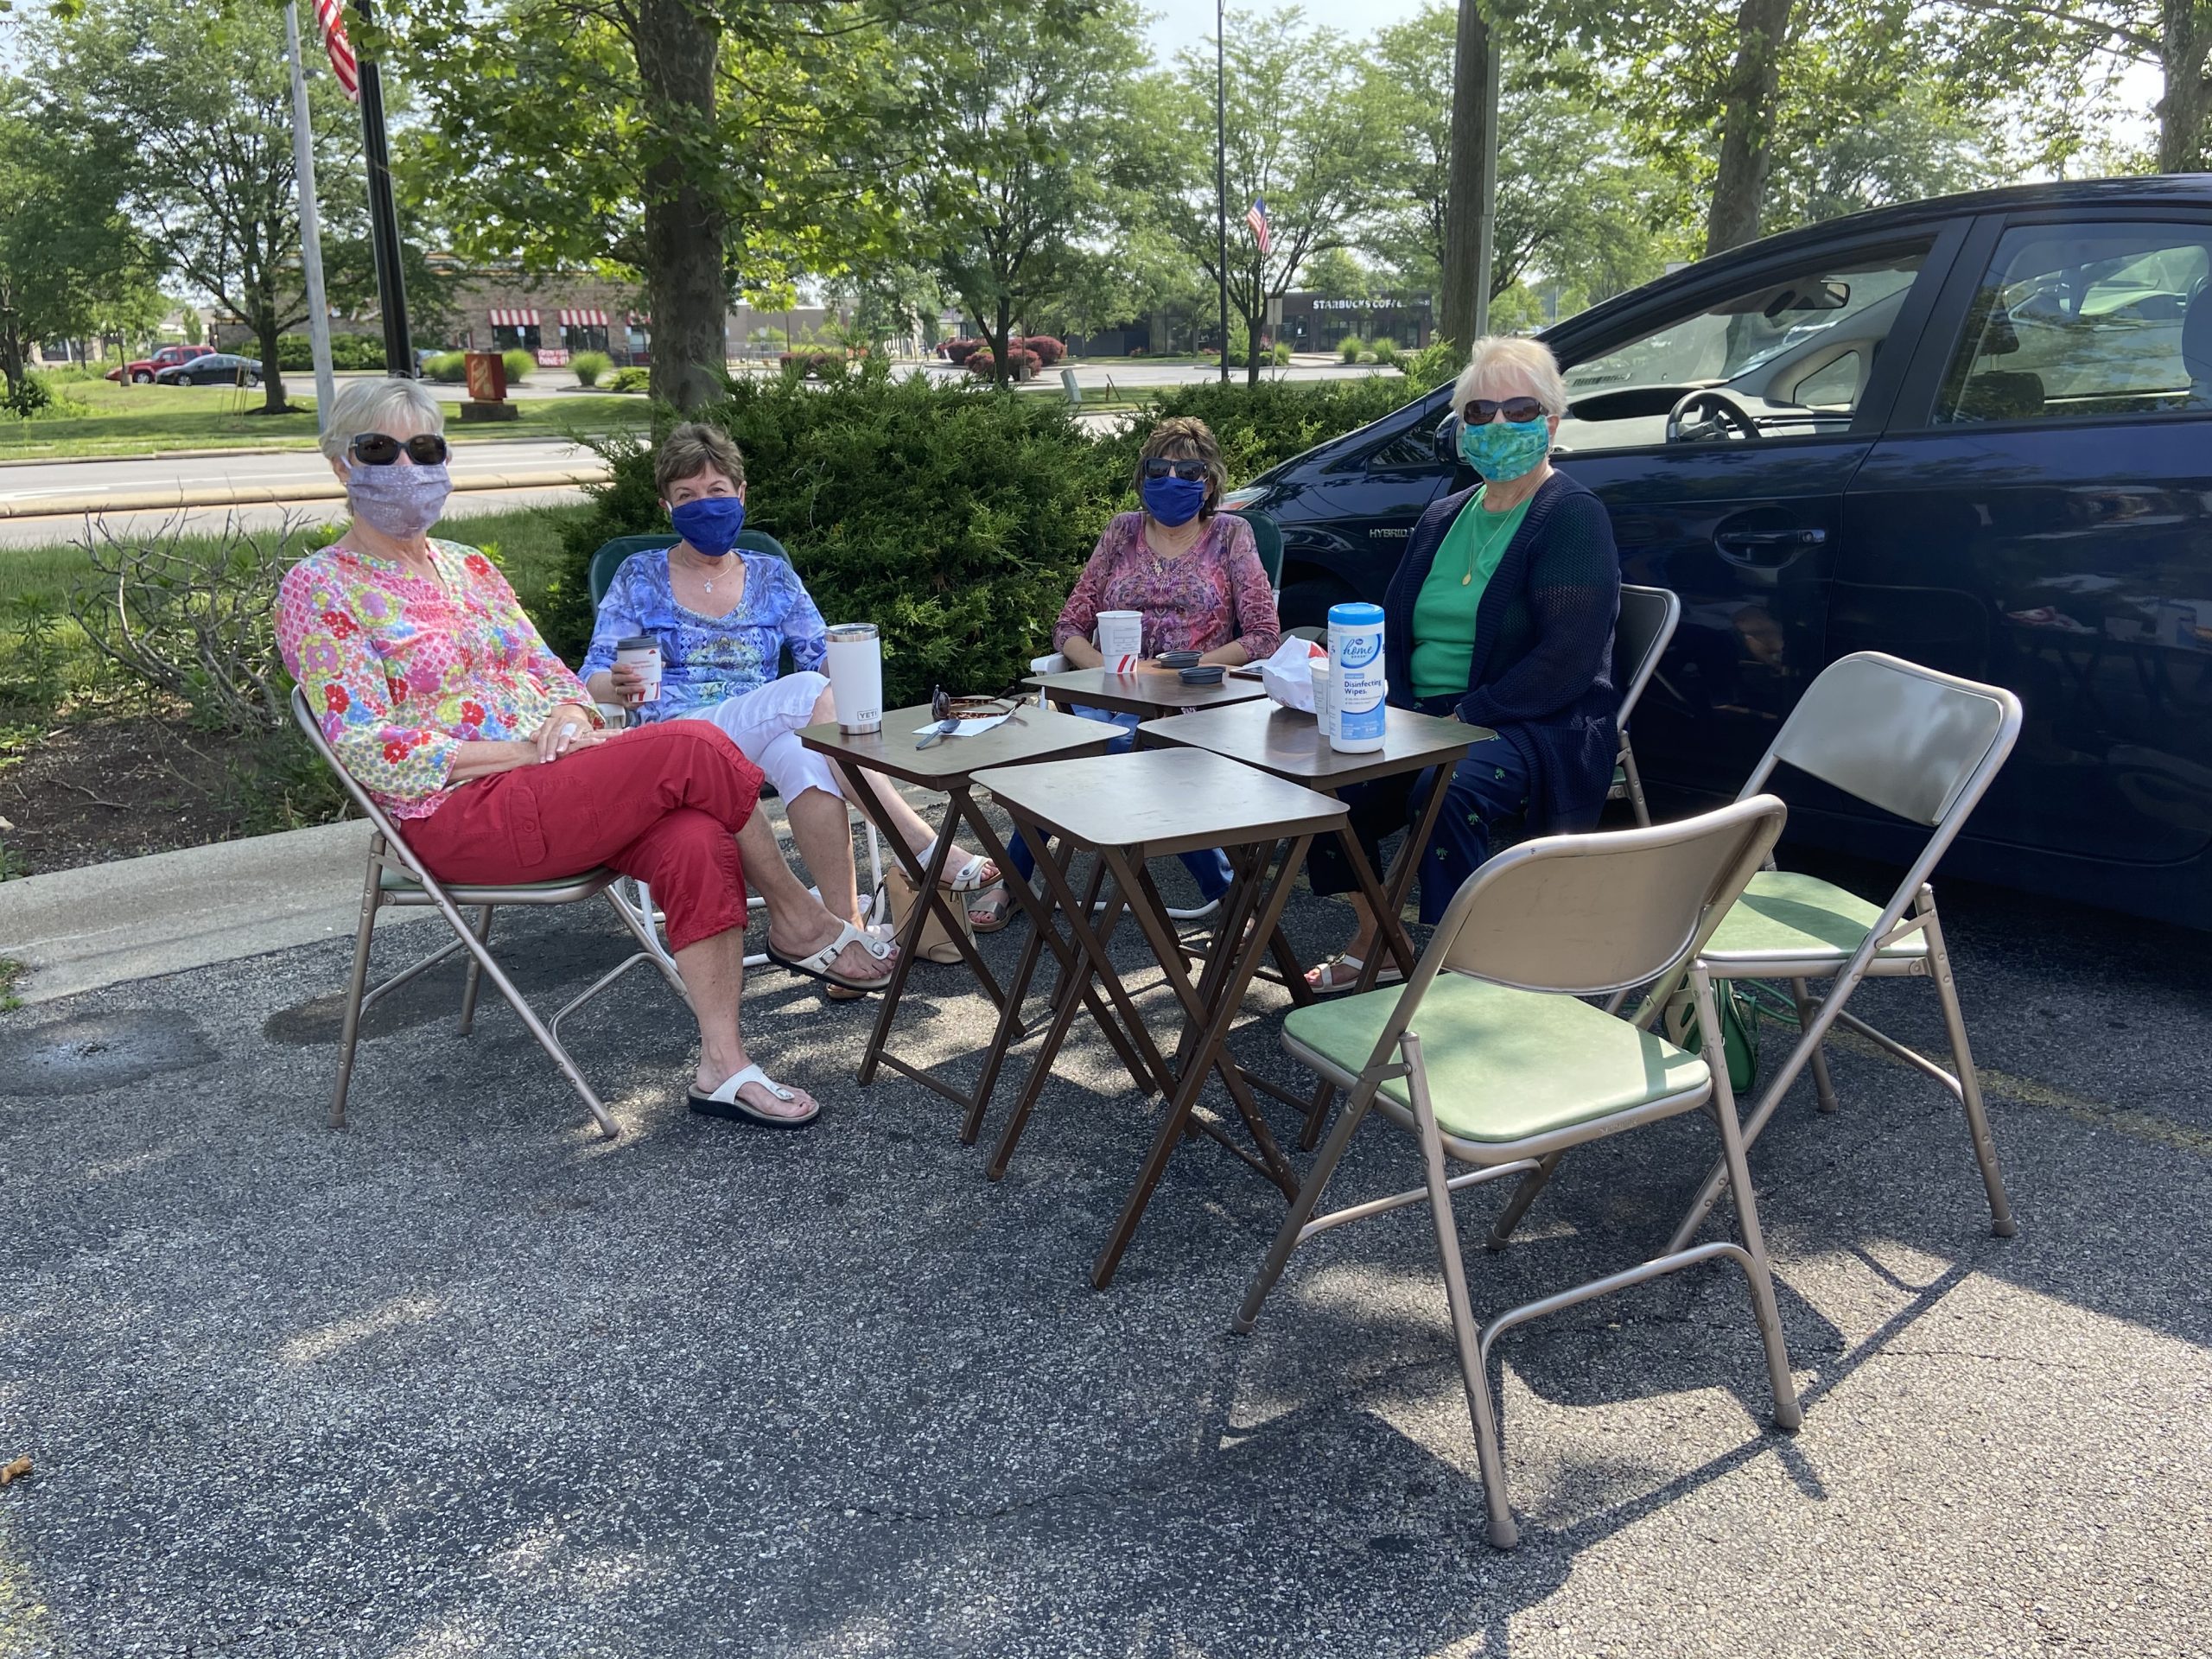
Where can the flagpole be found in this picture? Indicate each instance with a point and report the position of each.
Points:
(1221, 176)
(310, 225)
(384, 217)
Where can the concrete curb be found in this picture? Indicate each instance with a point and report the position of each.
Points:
(143, 500)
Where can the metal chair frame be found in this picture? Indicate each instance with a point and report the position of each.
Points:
(389, 851)
(1584, 961)
(1661, 634)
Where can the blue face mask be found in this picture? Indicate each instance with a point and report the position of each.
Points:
(709, 524)
(1174, 500)
(1505, 449)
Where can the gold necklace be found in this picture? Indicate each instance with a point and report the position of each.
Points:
(1482, 543)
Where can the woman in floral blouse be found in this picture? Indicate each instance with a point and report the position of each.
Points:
(442, 701)
(722, 618)
(1194, 573)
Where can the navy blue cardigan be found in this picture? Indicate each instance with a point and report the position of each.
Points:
(1542, 673)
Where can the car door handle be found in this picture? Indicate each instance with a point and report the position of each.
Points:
(1767, 547)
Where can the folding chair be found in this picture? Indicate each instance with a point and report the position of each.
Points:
(1647, 623)
(1488, 1056)
(1924, 747)
(630, 896)
(397, 877)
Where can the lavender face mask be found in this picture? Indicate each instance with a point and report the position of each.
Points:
(398, 501)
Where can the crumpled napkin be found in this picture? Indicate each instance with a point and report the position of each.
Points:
(1288, 677)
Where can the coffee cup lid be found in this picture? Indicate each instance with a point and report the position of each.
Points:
(638, 642)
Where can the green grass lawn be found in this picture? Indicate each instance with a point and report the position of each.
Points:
(35, 582)
(122, 419)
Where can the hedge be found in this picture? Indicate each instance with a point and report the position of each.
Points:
(295, 352)
(953, 515)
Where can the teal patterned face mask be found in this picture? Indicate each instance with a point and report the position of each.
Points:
(1505, 449)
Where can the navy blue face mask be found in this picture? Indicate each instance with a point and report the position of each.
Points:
(1174, 500)
(709, 524)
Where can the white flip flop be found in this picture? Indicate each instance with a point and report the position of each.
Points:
(967, 877)
(815, 965)
(725, 1102)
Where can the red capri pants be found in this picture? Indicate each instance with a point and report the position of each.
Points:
(660, 802)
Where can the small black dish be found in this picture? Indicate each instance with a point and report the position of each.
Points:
(1179, 659)
(1209, 674)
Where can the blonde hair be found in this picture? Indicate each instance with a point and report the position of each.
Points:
(368, 406)
(1186, 437)
(1499, 361)
(692, 448)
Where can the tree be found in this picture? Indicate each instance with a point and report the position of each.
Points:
(1295, 141)
(1025, 189)
(199, 92)
(68, 254)
(1572, 201)
(2073, 50)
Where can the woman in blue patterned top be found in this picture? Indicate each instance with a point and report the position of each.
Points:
(722, 618)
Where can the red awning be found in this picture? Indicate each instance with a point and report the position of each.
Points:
(513, 319)
(583, 319)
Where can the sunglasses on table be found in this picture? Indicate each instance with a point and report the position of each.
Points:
(382, 450)
(1481, 411)
(1193, 471)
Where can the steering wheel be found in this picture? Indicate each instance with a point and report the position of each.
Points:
(1726, 416)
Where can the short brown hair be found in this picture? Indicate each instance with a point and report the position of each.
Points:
(692, 449)
(1186, 437)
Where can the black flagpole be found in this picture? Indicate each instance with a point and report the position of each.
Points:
(1221, 179)
(384, 216)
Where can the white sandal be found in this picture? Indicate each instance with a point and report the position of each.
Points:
(724, 1102)
(1340, 973)
(964, 878)
(815, 965)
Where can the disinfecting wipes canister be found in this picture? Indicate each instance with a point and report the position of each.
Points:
(1356, 652)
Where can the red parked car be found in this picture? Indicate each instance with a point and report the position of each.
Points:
(142, 372)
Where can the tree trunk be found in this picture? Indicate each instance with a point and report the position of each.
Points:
(684, 226)
(267, 330)
(1001, 348)
(1747, 102)
(1472, 65)
(11, 352)
(2184, 37)
(1252, 322)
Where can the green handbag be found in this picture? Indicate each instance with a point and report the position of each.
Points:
(1739, 1029)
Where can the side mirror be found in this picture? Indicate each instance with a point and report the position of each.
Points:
(1447, 440)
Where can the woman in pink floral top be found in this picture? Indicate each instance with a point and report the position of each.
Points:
(1195, 573)
(442, 701)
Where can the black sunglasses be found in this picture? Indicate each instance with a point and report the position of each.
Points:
(1193, 471)
(382, 450)
(1481, 411)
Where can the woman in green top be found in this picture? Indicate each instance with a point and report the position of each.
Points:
(1501, 614)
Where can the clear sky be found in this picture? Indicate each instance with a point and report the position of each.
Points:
(1178, 24)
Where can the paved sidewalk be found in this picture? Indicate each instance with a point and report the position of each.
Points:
(466, 1381)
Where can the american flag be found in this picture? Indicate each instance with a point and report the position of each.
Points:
(1256, 216)
(330, 23)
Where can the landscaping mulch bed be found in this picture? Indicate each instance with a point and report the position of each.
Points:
(85, 791)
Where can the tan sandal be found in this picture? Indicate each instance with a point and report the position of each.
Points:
(1340, 974)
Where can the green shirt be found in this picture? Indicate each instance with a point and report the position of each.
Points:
(1443, 610)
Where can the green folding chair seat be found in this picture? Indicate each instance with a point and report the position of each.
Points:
(1505, 1065)
(1785, 919)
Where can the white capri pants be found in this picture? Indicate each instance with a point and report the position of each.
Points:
(764, 723)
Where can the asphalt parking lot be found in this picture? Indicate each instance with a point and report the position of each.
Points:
(466, 1380)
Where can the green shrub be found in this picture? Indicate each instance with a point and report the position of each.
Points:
(954, 517)
(446, 368)
(26, 397)
(1263, 426)
(519, 364)
(632, 378)
(589, 366)
(1350, 347)
(1385, 350)
(1435, 363)
(1283, 353)
(295, 352)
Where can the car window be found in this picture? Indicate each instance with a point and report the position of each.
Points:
(2085, 319)
(1797, 350)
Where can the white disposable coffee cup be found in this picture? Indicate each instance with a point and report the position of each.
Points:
(642, 653)
(1325, 696)
(856, 665)
(1121, 633)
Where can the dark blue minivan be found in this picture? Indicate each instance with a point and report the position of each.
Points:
(1975, 432)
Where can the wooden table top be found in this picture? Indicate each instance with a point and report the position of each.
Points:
(1289, 744)
(1032, 735)
(1166, 800)
(1148, 692)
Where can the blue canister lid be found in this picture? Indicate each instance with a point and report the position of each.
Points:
(1356, 613)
